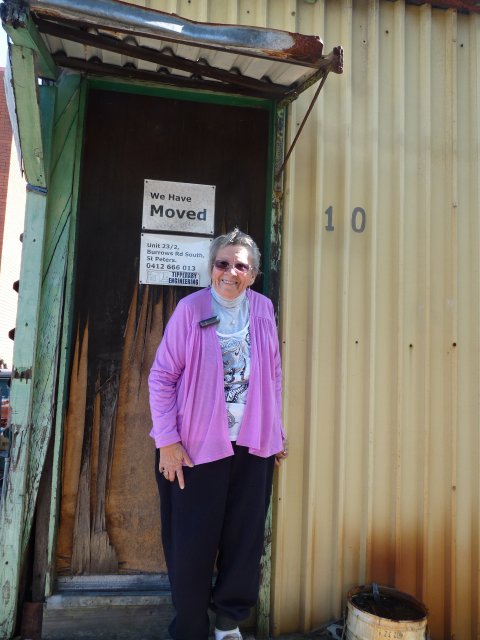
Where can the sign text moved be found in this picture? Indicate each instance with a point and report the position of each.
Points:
(178, 206)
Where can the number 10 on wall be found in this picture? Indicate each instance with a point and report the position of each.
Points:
(358, 219)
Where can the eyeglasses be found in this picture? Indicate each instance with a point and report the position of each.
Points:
(224, 265)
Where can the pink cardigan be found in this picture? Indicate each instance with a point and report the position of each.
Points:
(187, 398)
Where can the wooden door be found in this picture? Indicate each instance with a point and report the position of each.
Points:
(109, 521)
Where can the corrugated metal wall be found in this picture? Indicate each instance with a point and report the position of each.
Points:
(380, 321)
(380, 312)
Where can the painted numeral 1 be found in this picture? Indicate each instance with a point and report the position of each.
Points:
(329, 213)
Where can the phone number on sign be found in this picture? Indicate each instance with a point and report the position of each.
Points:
(173, 267)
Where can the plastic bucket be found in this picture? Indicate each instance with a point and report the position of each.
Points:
(378, 613)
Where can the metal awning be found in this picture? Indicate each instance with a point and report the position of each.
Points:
(115, 38)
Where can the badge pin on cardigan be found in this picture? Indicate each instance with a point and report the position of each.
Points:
(209, 321)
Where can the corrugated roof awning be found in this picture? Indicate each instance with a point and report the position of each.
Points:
(110, 37)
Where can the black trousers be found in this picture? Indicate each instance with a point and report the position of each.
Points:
(219, 516)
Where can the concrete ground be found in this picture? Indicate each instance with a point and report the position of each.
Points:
(316, 635)
(328, 632)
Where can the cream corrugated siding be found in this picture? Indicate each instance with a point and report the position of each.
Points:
(380, 327)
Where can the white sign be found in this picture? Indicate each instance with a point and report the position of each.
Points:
(174, 260)
(178, 206)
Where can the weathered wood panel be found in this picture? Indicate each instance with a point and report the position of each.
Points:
(13, 505)
(72, 453)
(53, 286)
(28, 114)
(67, 349)
(40, 537)
(133, 453)
(44, 384)
(12, 514)
(121, 505)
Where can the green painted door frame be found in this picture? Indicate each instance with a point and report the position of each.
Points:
(50, 118)
(12, 515)
(47, 118)
(13, 528)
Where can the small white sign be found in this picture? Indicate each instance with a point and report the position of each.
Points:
(178, 206)
(174, 260)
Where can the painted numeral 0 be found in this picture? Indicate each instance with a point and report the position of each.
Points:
(357, 213)
(359, 219)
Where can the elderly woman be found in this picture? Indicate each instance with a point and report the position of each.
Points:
(215, 397)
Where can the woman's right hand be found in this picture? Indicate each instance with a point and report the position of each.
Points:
(172, 459)
(283, 454)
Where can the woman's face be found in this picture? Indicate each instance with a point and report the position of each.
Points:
(232, 282)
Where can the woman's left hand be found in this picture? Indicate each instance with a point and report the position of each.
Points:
(281, 455)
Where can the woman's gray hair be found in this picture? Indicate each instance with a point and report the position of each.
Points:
(236, 238)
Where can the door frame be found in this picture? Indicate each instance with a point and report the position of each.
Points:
(271, 286)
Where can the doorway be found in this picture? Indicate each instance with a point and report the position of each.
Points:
(109, 516)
